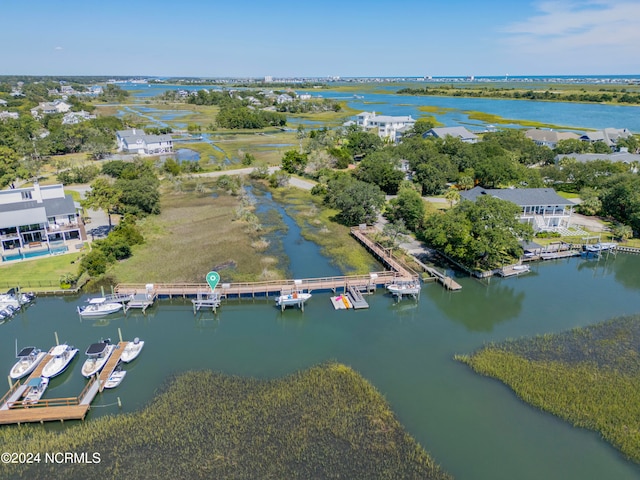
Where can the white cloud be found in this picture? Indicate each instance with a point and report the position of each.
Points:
(608, 29)
(58, 48)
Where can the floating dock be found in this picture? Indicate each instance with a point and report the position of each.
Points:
(111, 365)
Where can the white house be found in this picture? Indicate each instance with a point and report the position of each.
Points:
(456, 132)
(387, 126)
(549, 138)
(72, 118)
(543, 208)
(38, 218)
(50, 108)
(136, 141)
(5, 115)
(3, 102)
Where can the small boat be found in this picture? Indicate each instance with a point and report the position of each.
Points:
(115, 379)
(600, 247)
(62, 356)
(28, 360)
(6, 299)
(98, 307)
(404, 288)
(35, 389)
(132, 350)
(293, 298)
(98, 354)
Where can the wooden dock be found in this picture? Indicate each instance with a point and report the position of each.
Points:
(111, 365)
(446, 281)
(48, 410)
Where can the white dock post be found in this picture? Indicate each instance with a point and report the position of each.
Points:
(120, 334)
(56, 335)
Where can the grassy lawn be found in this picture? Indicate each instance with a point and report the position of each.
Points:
(589, 377)
(196, 233)
(38, 274)
(325, 422)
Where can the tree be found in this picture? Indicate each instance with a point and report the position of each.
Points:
(294, 162)
(453, 195)
(358, 202)
(622, 232)
(379, 169)
(394, 230)
(408, 207)
(105, 196)
(361, 143)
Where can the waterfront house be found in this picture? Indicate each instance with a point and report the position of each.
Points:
(542, 208)
(387, 126)
(38, 218)
(549, 138)
(456, 132)
(50, 108)
(609, 136)
(4, 115)
(138, 142)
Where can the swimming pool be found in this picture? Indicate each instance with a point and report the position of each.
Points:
(39, 253)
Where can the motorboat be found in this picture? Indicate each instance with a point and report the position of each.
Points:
(99, 306)
(404, 288)
(132, 350)
(600, 247)
(7, 299)
(62, 356)
(293, 298)
(35, 389)
(98, 354)
(28, 360)
(115, 379)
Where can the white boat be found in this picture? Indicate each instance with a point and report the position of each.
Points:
(98, 354)
(36, 387)
(404, 288)
(62, 356)
(7, 299)
(293, 298)
(132, 350)
(601, 247)
(98, 307)
(115, 379)
(28, 360)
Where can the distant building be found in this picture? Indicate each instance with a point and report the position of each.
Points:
(137, 141)
(456, 132)
(37, 217)
(3, 102)
(268, 79)
(549, 138)
(542, 208)
(387, 126)
(4, 115)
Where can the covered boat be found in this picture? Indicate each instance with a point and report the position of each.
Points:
(98, 354)
(404, 288)
(35, 389)
(28, 360)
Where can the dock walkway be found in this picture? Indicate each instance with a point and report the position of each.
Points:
(111, 365)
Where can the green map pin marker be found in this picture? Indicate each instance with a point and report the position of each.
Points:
(212, 279)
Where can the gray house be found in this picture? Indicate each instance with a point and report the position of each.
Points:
(542, 208)
(456, 132)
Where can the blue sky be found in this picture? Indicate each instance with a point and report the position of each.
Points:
(283, 38)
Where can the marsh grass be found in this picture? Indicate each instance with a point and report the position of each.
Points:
(194, 233)
(588, 376)
(317, 225)
(325, 422)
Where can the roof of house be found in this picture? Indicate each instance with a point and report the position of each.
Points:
(30, 212)
(519, 196)
(442, 132)
(549, 136)
(132, 136)
(625, 157)
(607, 135)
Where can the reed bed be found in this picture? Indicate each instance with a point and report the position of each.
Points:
(588, 376)
(325, 422)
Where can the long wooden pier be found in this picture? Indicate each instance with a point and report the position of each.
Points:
(111, 365)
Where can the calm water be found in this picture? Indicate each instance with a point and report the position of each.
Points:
(475, 427)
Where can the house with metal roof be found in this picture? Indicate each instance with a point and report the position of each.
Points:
(39, 219)
(138, 142)
(456, 132)
(549, 138)
(542, 208)
(609, 136)
(387, 126)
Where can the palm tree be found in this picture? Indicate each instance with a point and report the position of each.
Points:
(453, 195)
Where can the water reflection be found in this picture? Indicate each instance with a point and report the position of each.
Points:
(479, 309)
